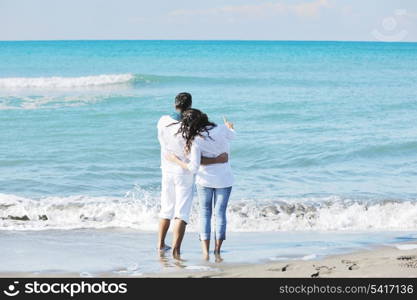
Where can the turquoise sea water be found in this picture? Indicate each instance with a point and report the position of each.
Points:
(327, 136)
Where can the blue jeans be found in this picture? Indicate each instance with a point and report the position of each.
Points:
(210, 198)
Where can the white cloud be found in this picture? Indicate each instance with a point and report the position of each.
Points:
(411, 15)
(303, 9)
(310, 9)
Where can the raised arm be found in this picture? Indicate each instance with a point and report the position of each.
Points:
(230, 134)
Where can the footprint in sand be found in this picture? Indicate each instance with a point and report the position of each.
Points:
(407, 257)
(315, 275)
(408, 261)
(347, 261)
(352, 265)
(283, 269)
(322, 270)
(410, 264)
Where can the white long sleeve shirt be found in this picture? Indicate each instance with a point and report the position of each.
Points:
(171, 143)
(218, 142)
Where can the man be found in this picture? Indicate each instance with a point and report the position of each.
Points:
(177, 183)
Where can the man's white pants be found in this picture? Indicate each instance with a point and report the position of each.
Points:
(176, 196)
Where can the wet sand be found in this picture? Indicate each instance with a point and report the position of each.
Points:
(387, 261)
(379, 262)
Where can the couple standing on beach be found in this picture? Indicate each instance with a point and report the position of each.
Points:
(193, 150)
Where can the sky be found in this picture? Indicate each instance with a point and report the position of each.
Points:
(343, 20)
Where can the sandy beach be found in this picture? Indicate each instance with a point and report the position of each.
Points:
(399, 261)
(390, 261)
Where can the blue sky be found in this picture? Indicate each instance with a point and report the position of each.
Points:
(369, 20)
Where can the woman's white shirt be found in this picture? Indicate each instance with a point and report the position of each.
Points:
(212, 145)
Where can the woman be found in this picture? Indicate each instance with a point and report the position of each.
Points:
(214, 182)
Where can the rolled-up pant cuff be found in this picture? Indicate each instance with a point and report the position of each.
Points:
(183, 218)
(220, 237)
(165, 216)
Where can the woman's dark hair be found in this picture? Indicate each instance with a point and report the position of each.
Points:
(194, 122)
(183, 101)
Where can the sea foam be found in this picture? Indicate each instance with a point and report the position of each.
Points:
(141, 213)
(406, 246)
(64, 82)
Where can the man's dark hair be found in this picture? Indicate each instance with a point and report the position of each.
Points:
(183, 101)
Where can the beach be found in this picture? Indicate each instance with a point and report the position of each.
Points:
(394, 261)
(380, 262)
(324, 158)
(131, 253)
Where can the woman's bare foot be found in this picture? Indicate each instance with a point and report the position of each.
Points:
(176, 254)
(205, 246)
(218, 257)
(218, 247)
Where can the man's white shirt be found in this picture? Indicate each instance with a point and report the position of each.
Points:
(171, 143)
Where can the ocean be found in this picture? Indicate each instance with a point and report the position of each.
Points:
(326, 133)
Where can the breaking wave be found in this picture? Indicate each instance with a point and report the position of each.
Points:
(58, 82)
(139, 210)
(64, 82)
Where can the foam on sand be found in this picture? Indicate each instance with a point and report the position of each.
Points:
(406, 246)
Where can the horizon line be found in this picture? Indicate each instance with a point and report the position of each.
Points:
(204, 40)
